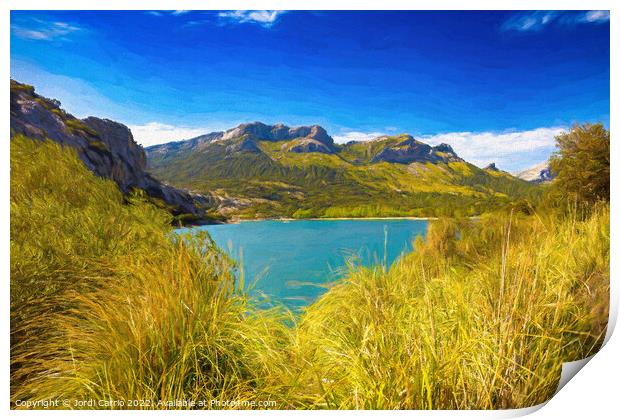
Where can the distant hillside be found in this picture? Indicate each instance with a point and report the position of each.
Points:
(540, 173)
(259, 170)
(107, 148)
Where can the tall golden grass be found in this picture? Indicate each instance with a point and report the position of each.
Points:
(108, 304)
(482, 321)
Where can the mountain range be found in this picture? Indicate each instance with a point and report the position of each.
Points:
(258, 170)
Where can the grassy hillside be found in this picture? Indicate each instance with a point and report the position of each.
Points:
(275, 182)
(107, 304)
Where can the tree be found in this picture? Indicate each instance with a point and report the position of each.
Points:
(581, 164)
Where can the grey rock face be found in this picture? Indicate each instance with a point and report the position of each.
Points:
(278, 132)
(444, 148)
(407, 151)
(128, 159)
(106, 147)
(491, 167)
(245, 138)
(246, 144)
(308, 145)
(197, 143)
(411, 150)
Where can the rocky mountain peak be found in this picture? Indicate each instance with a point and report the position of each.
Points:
(278, 132)
(491, 167)
(444, 148)
(409, 150)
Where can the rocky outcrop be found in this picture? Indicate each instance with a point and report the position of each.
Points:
(444, 148)
(244, 144)
(445, 153)
(307, 145)
(195, 144)
(279, 132)
(245, 137)
(128, 160)
(491, 167)
(106, 147)
(410, 150)
(538, 174)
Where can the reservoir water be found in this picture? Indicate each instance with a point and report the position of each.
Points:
(293, 262)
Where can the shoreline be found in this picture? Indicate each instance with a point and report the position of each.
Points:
(289, 219)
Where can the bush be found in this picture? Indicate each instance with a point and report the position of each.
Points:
(582, 164)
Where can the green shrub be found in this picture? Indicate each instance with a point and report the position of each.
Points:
(582, 164)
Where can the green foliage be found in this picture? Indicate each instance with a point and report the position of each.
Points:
(78, 127)
(582, 164)
(22, 86)
(100, 145)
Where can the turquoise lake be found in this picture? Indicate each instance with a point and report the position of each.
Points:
(294, 261)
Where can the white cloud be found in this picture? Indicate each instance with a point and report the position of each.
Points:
(596, 16)
(537, 20)
(153, 133)
(511, 150)
(264, 18)
(355, 136)
(40, 30)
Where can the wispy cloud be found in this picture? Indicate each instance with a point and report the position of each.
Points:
(356, 136)
(538, 20)
(41, 30)
(153, 133)
(167, 12)
(264, 18)
(511, 150)
(592, 16)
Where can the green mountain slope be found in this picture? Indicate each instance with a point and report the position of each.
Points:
(256, 170)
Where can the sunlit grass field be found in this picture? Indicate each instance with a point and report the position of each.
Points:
(108, 304)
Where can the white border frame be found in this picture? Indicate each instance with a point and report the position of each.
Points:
(592, 394)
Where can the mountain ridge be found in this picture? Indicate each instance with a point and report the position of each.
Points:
(310, 139)
(259, 170)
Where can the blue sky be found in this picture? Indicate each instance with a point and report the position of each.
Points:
(496, 85)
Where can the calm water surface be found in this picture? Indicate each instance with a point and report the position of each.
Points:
(293, 262)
